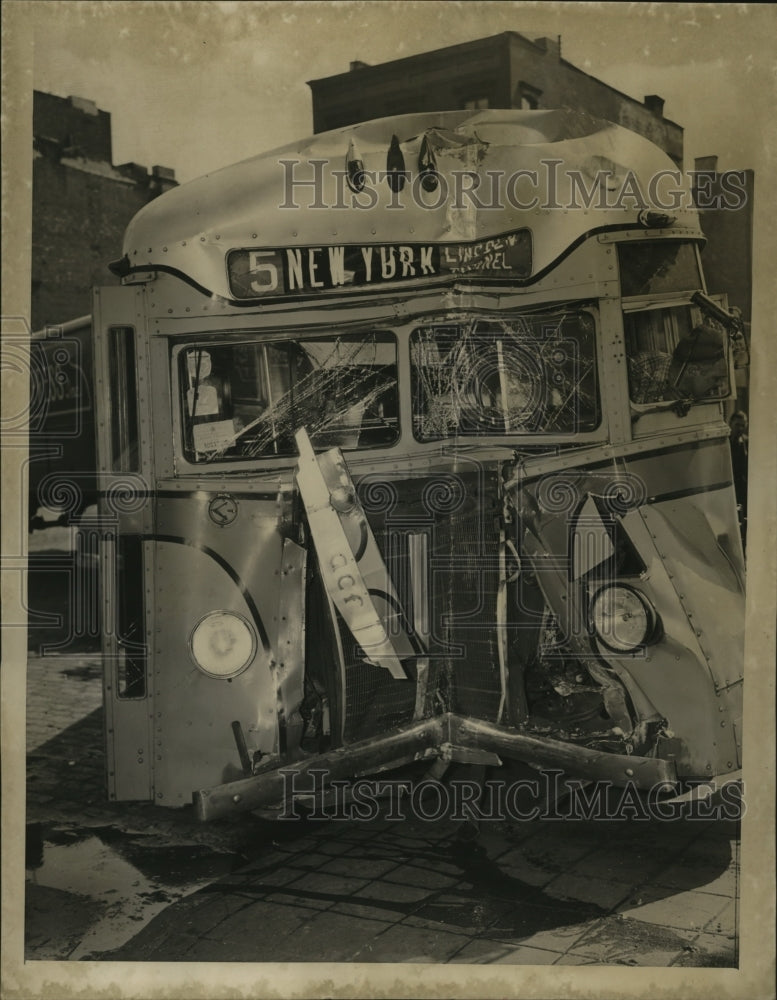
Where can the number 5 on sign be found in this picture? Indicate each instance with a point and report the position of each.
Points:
(264, 265)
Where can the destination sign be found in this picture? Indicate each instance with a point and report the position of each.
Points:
(310, 270)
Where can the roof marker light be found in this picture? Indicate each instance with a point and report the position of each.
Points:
(655, 220)
(395, 166)
(354, 167)
(427, 166)
(121, 267)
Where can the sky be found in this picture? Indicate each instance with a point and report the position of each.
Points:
(198, 85)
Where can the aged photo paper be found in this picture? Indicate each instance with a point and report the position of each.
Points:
(203, 84)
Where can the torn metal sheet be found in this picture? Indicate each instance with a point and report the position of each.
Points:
(379, 635)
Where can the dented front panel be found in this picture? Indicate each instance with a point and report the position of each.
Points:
(625, 525)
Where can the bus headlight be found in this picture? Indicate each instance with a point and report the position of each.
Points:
(222, 644)
(623, 619)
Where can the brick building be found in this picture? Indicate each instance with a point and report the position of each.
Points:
(725, 202)
(727, 222)
(82, 204)
(502, 71)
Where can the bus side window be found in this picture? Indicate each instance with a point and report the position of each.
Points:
(124, 400)
(651, 337)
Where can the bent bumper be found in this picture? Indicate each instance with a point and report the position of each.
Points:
(430, 738)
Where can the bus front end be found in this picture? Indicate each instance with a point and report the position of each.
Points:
(415, 453)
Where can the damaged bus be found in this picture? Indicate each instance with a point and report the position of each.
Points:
(412, 448)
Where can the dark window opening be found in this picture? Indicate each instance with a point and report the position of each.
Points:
(528, 96)
(655, 266)
(124, 400)
(131, 646)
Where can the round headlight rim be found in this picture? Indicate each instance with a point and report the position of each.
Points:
(653, 628)
(251, 632)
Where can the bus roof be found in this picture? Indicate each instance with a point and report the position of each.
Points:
(451, 180)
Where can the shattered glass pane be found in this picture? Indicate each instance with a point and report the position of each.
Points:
(664, 362)
(245, 400)
(523, 374)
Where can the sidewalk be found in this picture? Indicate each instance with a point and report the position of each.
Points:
(571, 893)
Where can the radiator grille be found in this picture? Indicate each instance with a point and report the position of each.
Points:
(459, 517)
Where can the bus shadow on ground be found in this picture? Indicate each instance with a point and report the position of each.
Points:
(421, 882)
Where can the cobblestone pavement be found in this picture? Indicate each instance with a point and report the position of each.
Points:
(411, 893)
(570, 892)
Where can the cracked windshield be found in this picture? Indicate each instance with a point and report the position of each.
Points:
(526, 374)
(246, 400)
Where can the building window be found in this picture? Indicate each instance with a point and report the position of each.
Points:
(528, 97)
(476, 104)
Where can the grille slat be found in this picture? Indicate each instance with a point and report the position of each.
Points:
(457, 512)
